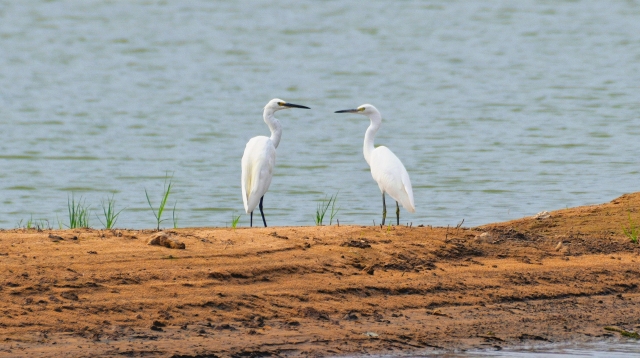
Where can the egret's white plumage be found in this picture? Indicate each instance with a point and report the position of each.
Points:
(257, 170)
(386, 169)
(392, 177)
(259, 158)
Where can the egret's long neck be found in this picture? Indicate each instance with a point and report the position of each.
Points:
(274, 126)
(376, 119)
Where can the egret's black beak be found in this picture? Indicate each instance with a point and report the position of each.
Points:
(347, 111)
(291, 105)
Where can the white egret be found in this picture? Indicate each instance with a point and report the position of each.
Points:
(386, 168)
(259, 159)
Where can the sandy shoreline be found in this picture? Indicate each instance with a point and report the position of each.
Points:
(321, 290)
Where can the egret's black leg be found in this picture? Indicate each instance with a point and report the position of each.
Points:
(398, 213)
(384, 210)
(262, 213)
(252, 219)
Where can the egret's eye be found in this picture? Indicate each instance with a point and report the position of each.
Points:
(280, 104)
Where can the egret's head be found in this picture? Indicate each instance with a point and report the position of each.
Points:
(277, 104)
(365, 109)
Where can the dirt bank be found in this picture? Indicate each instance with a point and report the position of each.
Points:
(320, 290)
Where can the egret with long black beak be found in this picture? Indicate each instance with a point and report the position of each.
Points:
(386, 168)
(259, 158)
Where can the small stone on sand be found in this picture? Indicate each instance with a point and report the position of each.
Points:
(542, 215)
(559, 246)
(166, 240)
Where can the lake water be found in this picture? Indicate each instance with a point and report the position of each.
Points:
(609, 349)
(604, 349)
(498, 109)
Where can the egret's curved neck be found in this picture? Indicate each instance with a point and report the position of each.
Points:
(274, 126)
(376, 119)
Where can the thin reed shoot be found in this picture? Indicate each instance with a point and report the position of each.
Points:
(234, 220)
(322, 208)
(78, 213)
(334, 210)
(632, 231)
(109, 212)
(163, 202)
(28, 224)
(37, 224)
(174, 216)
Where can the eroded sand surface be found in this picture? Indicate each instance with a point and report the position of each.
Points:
(320, 290)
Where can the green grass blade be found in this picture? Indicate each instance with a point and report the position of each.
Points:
(173, 215)
(151, 206)
(163, 202)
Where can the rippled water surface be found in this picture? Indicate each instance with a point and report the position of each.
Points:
(497, 109)
(606, 349)
(622, 349)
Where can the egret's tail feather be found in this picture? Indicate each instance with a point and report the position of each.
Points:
(408, 202)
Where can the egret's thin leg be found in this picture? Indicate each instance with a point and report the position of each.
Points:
(398, 213)
(384, 210)
(251, 219)
(262, 213)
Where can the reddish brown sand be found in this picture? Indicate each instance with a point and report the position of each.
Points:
(320, 291)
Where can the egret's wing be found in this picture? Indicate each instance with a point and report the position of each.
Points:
(245, 181)
(392, 177)
(406, 182)
(257, 170)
